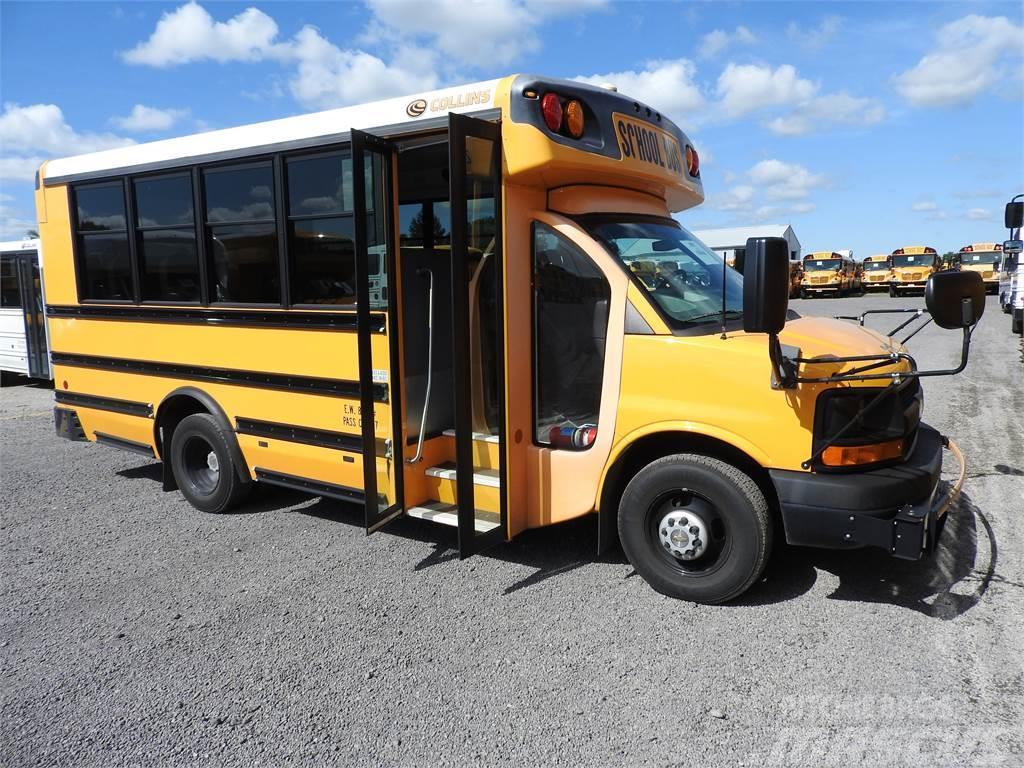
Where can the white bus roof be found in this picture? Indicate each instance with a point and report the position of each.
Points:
(28, 244)
(274, 135)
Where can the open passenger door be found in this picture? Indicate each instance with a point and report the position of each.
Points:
(478, 329)
(377, 327)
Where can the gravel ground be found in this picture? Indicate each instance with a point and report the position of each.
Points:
(138, 631)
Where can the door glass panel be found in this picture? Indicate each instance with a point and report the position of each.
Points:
(479, 387)
(377, 350)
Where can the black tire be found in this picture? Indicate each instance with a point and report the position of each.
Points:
(729, 506)
(1017, 324)
(209, 485)
(804, 293)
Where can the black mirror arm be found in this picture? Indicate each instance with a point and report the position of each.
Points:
(784, 369)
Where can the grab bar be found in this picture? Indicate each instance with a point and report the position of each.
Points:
(430, 365)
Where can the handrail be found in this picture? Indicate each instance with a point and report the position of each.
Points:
(430, 364)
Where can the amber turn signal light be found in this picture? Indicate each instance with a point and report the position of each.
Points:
(852, 455)
(574, 118)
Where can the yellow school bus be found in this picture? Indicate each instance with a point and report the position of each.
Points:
(473, 307)
(876, 272)
(827, 273)
(985, 259)
(911, 267)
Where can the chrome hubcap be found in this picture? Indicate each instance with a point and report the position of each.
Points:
(211, 461)
(684, 534)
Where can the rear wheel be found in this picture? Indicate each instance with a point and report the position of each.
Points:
(695, 528)
(203, 467)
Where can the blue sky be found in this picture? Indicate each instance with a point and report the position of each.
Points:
(865, 125)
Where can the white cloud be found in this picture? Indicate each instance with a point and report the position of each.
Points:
(785, 181)
(189, 34)
(41, 127)
(324, 75)
(14, 223)
(978, 214)
(924, 205)
(328, 76)
(815, 38)
(495, 32)
(717, 40)
(746, 88)
(666, 85)
(20, 168)
(143, 119)
(836, 108)
(784, 186)
(970, 56)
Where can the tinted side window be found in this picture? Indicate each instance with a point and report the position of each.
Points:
(168, 258)
(321, 232)
(243, 253)
(104, 263)
(10, 295)
(570, 298)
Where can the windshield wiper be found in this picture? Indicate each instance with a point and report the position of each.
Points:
(729, 314)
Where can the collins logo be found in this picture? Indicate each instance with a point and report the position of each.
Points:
(416, 107)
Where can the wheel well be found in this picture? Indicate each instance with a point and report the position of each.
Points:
(169, 415)
(652, 447)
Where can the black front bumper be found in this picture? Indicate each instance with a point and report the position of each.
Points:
(894, 508)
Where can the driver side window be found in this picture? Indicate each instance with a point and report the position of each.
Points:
(570, 324)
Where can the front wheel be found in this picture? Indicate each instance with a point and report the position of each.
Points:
(203, 467)
(695, 528)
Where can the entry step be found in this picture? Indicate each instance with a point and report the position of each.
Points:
(448, 514)
(446, 471)
(479, 437)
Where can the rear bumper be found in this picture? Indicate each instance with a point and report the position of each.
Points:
(897, 509)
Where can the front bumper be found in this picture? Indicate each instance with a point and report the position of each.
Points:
(897, 508)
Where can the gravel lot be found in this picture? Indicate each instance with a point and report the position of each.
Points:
(138, 631)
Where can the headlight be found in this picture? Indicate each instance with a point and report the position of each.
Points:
(884, 434)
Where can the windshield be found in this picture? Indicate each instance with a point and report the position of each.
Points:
(979, 257)
(676, 269)
(874, 266)
(914, 260)
(816, 264)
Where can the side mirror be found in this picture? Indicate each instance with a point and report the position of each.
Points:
(1013, 246)
(1014, 215)
(766, 284)
(955, 299)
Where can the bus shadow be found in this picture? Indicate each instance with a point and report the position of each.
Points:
(946, 585)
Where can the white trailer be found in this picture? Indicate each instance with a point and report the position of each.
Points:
(24, 339)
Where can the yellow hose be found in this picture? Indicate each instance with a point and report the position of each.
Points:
(953, 493)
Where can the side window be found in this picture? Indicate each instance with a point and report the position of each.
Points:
(241, 234)
(570, 325)
(165, 227)
(321, 234)
(104, 263)
(10, 295)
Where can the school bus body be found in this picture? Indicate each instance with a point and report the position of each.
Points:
(289, 385)
(828, 273)
(876, 272)
(910, 267)
(985, 259)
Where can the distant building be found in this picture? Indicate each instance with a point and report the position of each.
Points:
(729, 240)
